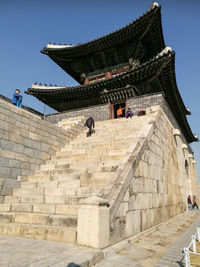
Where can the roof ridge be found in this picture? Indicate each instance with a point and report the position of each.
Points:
(151, 9)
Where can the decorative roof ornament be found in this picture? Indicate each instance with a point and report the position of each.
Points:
(196, 136)
(184, 146)
(35, 83)
(166, 50)
(176, 132)
(154, 4)
(194, 162)
(40, 83)
(188, 110)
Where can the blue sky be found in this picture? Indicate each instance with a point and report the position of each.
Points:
(26, 26)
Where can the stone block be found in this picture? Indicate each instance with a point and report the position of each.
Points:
(52, 199)
(4, 207)
(32, 199)
(15, 138)
(4, 172)
(6, 191)
(67, 209)
(4, 162)
(14, 163)
(95, 218)
(132, 205)
(16, 207)
(133, 223)
(30, 218)
(7, 145)
(4, 135)
(28, 152)
(136, 185)
(4, 125)
(44, 208)
(123, 208)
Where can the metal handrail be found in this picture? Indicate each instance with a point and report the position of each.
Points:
(187, 251)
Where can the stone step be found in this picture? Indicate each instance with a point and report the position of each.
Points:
(53, 233)
(53, 166)
(88, 191)
(38, 218)
(39, 178)
(65, 209)
(55, 172)
(45, 191)
(48, 199)
(77, 152)
(96, 179)
(51, 184)
(52, 177)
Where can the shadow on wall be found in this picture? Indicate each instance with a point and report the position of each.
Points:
(71, 264)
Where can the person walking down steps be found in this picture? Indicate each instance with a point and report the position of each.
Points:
(90, 124)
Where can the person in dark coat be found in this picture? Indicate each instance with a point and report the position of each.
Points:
(129, 113)
(17, 98)
(194, 203)
(141, 112)
(90, 124)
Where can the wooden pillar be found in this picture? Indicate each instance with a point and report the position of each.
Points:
(111, 111)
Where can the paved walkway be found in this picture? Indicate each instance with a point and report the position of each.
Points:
(161, 248)
(164, 245)
(174, 256)
(20, 252)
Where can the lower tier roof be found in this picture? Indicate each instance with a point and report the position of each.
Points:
(156, 75)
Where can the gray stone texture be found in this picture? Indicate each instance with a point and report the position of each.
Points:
(26, 142)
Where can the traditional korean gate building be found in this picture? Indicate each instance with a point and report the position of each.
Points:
(57, 184)
(131, 67)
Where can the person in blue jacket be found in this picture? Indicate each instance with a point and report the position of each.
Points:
(17, 98)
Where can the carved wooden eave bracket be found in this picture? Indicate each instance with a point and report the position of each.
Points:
(118, 94)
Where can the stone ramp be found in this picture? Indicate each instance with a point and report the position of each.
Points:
(46, 204)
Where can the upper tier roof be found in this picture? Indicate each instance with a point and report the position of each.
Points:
(141, 39)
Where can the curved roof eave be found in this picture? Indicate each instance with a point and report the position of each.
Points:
(130, 29)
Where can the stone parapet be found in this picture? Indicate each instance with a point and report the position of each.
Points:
(26, 142)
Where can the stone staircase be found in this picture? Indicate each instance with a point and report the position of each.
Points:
(46, 204)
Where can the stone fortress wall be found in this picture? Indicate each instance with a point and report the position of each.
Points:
(158, 190)
(149, 186)
(26, 142)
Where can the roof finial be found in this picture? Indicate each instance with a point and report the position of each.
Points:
(154, 4)
(196, 136)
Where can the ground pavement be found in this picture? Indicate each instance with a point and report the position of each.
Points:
(160, 248)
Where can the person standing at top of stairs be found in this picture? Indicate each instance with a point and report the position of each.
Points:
(120, 112)
(90, 124)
